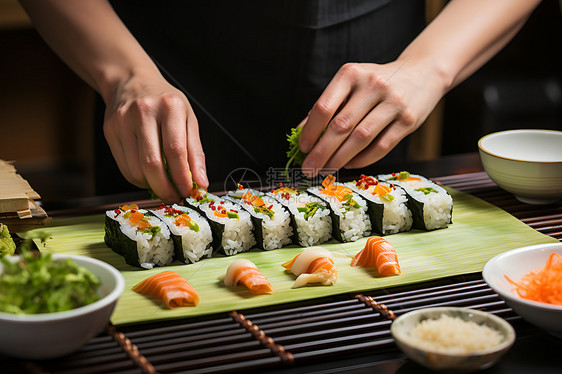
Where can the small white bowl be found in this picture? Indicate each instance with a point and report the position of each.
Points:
(527, 163)
(515, 264)
(402, 326)
(49, 335)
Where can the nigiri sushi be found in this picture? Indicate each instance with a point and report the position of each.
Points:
(314, 265)
(378, 253)
(171, 288)
(246, 272)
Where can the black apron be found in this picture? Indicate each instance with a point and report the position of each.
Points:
(253, 69)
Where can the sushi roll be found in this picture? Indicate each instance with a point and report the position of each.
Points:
(387, 205)
(310, 215)
(191, 232)
(232, 227)
(350, 220)
(199, 197)
(431, 204)
(272, 222)
(139, 236)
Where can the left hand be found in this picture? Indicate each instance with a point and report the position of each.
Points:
(365, 111)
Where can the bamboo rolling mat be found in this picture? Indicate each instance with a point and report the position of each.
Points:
(479, 232)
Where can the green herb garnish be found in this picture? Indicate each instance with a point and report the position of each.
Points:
(39, 284)
(349, 202)
(7, 245)
(294, 154)
(264, 210)
(403, 175)
(426, 190)
(310, 209)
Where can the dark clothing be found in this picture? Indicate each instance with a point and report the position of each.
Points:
(258, 67)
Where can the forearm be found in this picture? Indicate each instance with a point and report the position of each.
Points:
(465, 35)
(92, 40)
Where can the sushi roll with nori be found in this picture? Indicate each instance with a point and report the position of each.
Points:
(350, 220)
(232, 227)
(431, 204)
(387, 205)
(272, 222)
(310, 215)
(139, 236)
(199, 197)
(190, 231)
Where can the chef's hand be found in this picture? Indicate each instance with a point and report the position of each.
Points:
(145, 119)
(364, 112)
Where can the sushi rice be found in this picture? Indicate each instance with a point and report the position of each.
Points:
(312, 230)
(153, 249)
(354, 223)
(238, 231)
(195, 244)
(276, 226)
(436, 201)
(396, 215)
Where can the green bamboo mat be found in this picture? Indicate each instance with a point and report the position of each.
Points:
(479, 232)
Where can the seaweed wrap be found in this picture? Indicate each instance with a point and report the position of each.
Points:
(191, 233)
(310, 215)
(139, 236)
(272, 221)
(231, 226)
(350, 220)
(387, 205)
(431, 204)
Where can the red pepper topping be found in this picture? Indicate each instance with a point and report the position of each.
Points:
(222, 202)
(117, 212)
(232, 210)
(280, 184)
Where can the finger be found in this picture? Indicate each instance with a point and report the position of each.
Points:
(323, 110)
(361, 137)
(151, 162)
(173, 119)
(340, 128)
(196, 155)
(125, 155)
(383, 143)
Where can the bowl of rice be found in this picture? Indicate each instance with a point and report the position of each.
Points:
(450, 338)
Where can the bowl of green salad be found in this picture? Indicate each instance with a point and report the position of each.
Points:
(51, 305)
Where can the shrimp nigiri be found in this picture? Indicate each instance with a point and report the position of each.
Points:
(314, 265)
(378, 253)
(171, 288)
(246, 272)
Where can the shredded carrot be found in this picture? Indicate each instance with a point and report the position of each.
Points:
(182, 220)
(129, 207)
(219, 214)
(543, 284)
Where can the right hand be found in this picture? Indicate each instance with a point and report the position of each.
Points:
(148, 117)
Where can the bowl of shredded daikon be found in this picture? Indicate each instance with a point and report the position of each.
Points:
(450, 338)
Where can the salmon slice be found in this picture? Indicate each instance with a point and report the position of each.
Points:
(245, 272)
(378, 253)
(171, 288)
(314, 265)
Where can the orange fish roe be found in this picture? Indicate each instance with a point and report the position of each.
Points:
(544, 284)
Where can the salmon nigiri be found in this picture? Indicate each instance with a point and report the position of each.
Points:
(314, 265)
(171, 288)
(246, 272)
(378, 253)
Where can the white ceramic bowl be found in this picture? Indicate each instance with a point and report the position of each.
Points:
(48, 335)
(515, 264)
(527, 163)
(401, 327)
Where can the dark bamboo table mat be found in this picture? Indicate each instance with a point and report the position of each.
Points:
(292, 336)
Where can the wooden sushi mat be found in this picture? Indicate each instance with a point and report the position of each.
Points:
(18, 210)
(479, 232)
